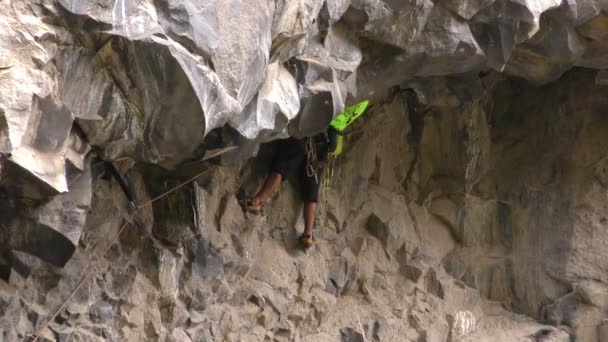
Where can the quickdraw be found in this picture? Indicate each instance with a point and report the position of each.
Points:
(311, 157)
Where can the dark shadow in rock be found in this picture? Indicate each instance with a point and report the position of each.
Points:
(350, 335)
(5, 268)
(47, 229)
(49, 127)
(433, 285)
(377, 228)
(23, 263)
(411, 272)
(383, 67)
(23, 188)
(42, 241)
(331, 287)
(310, 121)
(173, 214)
(207, 261)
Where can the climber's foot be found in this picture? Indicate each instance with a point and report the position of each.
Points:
(252, 206)
(307, 242)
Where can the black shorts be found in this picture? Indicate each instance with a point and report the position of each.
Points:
(290, 161)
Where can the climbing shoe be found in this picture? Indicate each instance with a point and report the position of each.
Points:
(307, 241)
(250, 207)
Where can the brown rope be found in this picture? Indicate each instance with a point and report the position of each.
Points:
(93, 266)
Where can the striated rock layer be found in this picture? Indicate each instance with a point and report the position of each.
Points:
(468, 206)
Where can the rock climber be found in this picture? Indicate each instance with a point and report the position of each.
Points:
(305, 158)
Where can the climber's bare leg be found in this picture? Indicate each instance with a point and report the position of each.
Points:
(306, 239)
(310, 210)
(272, 183)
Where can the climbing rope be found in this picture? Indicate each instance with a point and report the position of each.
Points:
(328, 176)
(327, 183)
(473, 152)
(92, 267)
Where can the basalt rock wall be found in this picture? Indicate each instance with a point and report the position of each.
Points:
(468, 205)
(461, 218)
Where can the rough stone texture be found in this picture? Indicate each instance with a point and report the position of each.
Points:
(468, 205)
(419, 248)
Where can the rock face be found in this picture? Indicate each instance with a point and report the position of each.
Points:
(429, 231)
(469, 204)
